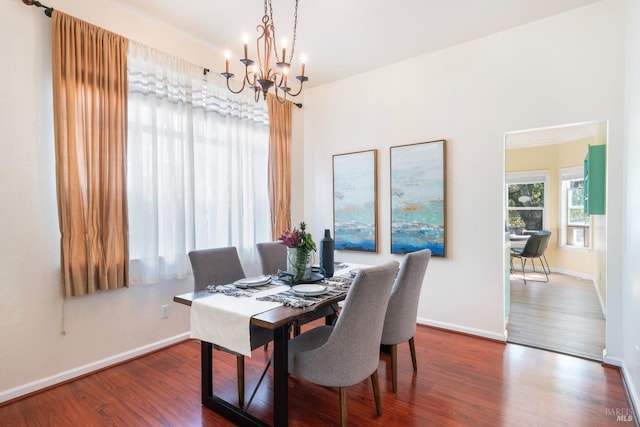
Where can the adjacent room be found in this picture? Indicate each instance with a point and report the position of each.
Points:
(202, 228)
(558, 303)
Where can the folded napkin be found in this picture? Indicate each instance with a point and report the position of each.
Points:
(339, 281)
(236, 291)
(291, 299)
(225, 320)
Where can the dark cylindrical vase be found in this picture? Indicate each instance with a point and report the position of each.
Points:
(327, 246)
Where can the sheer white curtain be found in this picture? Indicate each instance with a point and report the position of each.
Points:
(197, 167)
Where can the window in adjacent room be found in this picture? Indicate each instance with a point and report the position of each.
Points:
(526, 201)
(575, 222)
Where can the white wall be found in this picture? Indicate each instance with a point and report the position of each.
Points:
(45, 339)
(561, 70)
(565, 69)
(631, 247)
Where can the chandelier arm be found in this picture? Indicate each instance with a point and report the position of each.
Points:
(284, 98)
(298, 92)
(282, 80)
(233, 91)
(247, 80)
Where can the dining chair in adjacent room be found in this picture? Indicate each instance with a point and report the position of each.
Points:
(273, 257)
(349, 352)
(402, 312)
(534, 248)
(219, 266)
(544, 248)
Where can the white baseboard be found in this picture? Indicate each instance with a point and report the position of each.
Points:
(572, 273)
(631, 390)
(613, 361)
(469, 331)
(33, 386)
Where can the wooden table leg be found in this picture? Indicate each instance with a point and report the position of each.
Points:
(217, 404)
(206, 369)
(280, 376)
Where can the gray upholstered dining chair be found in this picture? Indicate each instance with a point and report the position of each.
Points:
(402, 312)
(273, 257)
(221, 266)
(347, 353)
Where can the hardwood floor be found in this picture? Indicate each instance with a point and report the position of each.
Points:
(563, 315)
(461, 381)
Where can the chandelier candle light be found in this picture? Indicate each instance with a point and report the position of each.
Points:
(260, 76)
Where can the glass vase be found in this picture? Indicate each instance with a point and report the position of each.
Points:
(299, 264)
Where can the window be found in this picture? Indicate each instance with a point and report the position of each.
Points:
(526, 201)
(197, 167)
(575, 223)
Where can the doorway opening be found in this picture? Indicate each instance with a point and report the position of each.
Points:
(545, 192)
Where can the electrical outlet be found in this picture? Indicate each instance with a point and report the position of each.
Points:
(164, 311)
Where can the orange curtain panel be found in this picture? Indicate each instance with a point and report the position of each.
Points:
(90, 120)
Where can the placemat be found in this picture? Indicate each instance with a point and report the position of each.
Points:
(291, 299)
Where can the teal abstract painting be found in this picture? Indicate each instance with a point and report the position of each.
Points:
(418, 198)
(355, 201)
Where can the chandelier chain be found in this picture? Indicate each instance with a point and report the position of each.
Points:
(273, 26)
(295, 32)
(273, 31)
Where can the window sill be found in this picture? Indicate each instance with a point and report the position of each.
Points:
(575, 248)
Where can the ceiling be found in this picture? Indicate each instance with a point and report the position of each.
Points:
(557, 135)
(342, 38)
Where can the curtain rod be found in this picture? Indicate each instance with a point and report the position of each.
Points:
(47, 10)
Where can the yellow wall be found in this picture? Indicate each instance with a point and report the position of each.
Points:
(552, 158)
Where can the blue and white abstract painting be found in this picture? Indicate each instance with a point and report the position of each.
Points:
(354, 201)
(417, 198)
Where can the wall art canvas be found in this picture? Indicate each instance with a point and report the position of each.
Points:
(355, 203)
(418, 198)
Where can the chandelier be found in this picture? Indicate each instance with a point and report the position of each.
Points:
(271, 70)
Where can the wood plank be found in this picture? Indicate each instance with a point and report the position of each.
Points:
(461, 380)
(563, 315)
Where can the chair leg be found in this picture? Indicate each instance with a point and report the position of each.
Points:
(545, 261)
(240, 368)
(523, 263)
(344, 419)
(544, 270)
(414, 359)
(376, 392)
(394, 367)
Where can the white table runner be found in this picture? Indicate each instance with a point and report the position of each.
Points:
(224, 320)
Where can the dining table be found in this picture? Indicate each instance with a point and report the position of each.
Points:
(279, 320)
(518, 240)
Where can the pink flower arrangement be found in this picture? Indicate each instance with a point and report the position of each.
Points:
(298, 238)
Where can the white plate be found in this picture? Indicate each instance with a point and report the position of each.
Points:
(309, 290)
(253, 281)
